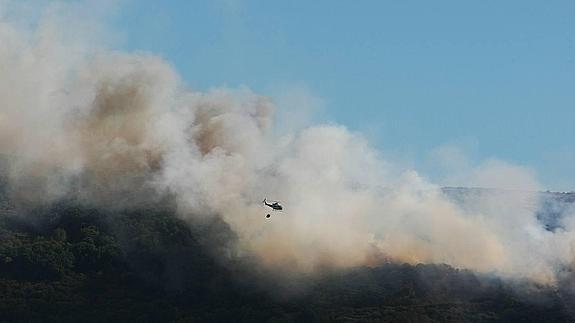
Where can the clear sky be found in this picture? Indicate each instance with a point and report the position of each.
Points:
(496, 78)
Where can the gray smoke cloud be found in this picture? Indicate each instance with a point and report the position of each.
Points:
(119, 128)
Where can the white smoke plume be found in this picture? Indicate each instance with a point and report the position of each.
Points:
(116, 127)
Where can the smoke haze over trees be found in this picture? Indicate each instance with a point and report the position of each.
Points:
(68, 262)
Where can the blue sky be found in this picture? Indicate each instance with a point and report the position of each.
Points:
(495, 78)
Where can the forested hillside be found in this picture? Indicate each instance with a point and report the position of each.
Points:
(67, 262)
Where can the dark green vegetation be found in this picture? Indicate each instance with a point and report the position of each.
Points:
(66, 262)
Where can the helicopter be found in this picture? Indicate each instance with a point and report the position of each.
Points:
(275, 205)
